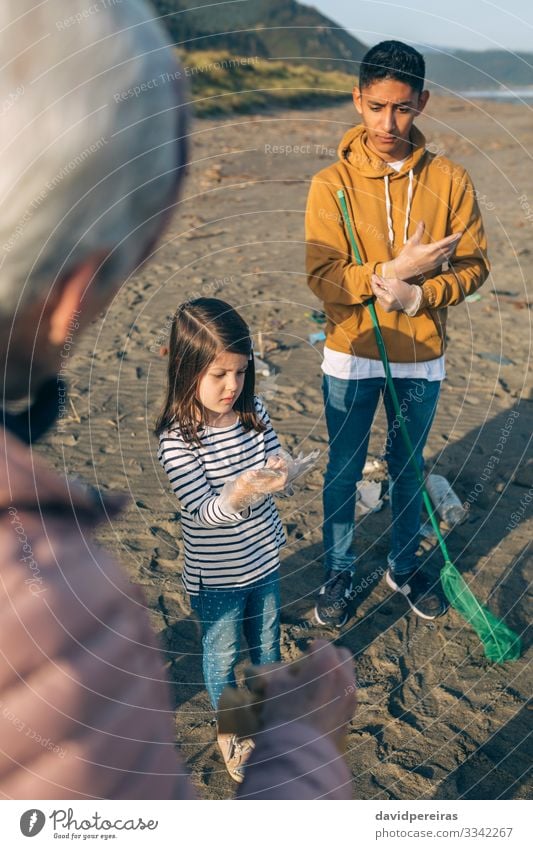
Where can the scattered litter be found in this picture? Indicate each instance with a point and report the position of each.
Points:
(375, 466)
(473, 298)
(317, 337)
(211, 235)
(317, 316)
(368, 498)
(445, 501)
(511, 298)
(427, 532)
(262, 368)
(495, 358)
(267, 387)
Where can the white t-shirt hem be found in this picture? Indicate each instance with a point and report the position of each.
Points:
(350, 367)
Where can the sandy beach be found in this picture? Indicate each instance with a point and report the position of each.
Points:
(435, 718)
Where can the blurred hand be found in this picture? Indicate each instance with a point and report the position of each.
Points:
(415, 259)
(319, 689)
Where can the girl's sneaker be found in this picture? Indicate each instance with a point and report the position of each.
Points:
(332, 605)
(235, 752)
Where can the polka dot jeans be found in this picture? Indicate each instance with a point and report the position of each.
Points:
(223, 614)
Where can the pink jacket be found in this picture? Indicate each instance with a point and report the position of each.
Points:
(84, 701)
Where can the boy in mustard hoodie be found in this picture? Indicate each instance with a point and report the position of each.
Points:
(421, 239)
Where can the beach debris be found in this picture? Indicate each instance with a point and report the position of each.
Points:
(428, 537)
(75, 413)
(511, 298)
(471, 299)
(317, 337)
(524, 474)
(317, 316)
(427, 532)
(375, 465)
(368, 498)
(267, 387)
(446, 502)
(500, 359)
(261, 367)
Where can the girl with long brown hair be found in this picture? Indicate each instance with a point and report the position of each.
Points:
(223, 461)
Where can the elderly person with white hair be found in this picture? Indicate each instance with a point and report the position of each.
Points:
(93, 146)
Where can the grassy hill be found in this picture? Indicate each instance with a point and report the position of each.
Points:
(277, 29)
(221, 82)
(300, 36)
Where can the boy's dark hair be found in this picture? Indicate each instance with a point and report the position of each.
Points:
(393, 60)
(202, 329)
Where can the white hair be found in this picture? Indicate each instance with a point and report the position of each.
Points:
(93, 139)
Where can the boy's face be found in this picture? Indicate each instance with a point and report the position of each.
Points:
(388, 108)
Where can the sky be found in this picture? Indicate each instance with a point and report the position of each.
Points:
(466, 24)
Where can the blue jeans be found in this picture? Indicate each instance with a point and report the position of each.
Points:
(223, 613)
(350, 406)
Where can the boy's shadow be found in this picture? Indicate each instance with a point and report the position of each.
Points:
(488, 458)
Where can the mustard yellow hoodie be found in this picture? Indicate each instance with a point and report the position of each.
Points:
(385, 207)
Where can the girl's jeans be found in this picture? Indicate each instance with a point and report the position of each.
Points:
(223, 613)
(350, 406)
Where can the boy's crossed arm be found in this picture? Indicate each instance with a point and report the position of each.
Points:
(467, 244)
(335, 278)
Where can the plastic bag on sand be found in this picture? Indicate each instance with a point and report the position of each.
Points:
(368, 497)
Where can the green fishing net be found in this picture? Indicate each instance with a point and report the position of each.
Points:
(500, 643)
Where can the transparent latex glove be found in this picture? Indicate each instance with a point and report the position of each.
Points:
(250, 487)
(297, 466)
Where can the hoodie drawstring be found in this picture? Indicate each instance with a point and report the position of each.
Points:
(388, 206)
(389, 215)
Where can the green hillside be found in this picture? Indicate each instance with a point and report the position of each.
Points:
(299, 35)
(221, 82)
(278, 29)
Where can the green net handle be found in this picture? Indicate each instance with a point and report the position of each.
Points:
(390, 384)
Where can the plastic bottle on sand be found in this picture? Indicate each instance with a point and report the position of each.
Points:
(445, 501)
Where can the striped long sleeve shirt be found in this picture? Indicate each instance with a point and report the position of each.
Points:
(222, 550)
